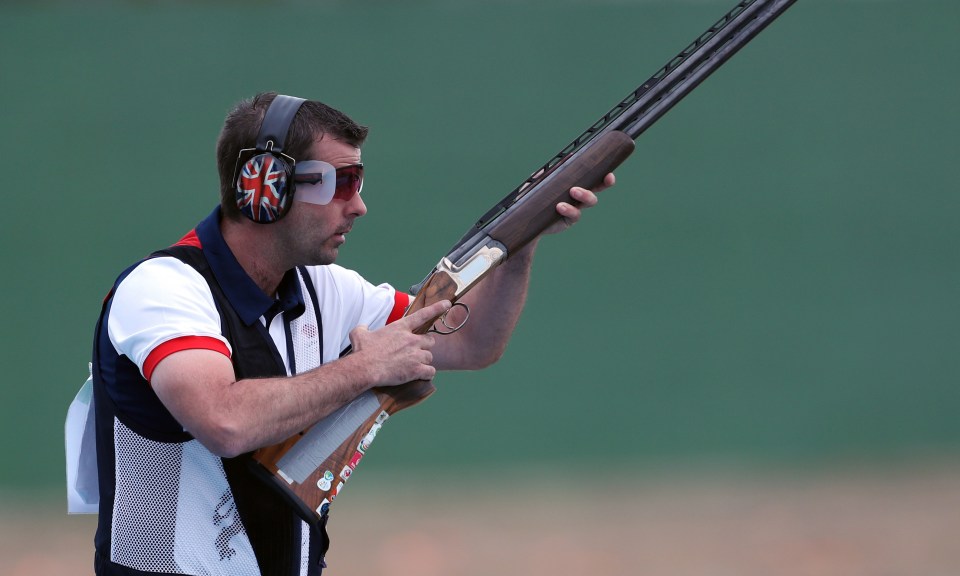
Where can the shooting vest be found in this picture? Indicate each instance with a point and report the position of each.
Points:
(216, 516)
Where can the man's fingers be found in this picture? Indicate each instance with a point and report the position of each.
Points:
(424, 315)
(585, 197)
(608, 181)
(570, 212)
(427, 372)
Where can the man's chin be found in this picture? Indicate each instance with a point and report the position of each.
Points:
(327, 256)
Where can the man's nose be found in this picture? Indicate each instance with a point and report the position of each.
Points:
(357, 206)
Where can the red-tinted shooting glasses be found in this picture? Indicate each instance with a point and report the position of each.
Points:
(318, 182)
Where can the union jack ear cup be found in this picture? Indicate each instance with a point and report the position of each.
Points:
(264, 182)
(264, 188)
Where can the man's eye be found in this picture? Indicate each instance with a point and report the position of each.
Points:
(309, 178)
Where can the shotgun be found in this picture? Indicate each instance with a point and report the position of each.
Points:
(311, 468)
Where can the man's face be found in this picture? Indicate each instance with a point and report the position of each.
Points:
(313, 233)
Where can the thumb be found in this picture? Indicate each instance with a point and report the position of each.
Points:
(356, 335)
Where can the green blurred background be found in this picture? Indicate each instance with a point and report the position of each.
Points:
(773, 281)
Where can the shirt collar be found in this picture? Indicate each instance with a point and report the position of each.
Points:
(246, 298)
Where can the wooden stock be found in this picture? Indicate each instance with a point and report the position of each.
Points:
(311, 496)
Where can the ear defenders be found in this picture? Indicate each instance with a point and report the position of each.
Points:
(264, 183)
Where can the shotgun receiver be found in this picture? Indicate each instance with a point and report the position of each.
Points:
(311, 468)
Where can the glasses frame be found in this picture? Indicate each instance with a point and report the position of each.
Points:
(324, 194)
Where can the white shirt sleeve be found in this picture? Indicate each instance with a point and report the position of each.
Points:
(160, 300)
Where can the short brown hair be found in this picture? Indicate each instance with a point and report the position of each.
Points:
(242, 125)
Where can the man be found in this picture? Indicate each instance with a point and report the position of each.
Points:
(231, 340)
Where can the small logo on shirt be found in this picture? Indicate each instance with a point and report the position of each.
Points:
(225, 515)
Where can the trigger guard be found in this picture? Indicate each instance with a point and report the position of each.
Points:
(443, 320)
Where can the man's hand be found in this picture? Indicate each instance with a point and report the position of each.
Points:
(585, 198)
(396, 355)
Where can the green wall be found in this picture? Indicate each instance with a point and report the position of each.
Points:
(774, 278)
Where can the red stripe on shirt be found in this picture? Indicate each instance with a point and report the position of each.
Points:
(190, 239)
(401, 300)
(178, 345)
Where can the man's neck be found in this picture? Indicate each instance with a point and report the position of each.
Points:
(253, 247)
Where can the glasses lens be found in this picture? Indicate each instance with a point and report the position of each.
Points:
(319, 183)
(349, 181)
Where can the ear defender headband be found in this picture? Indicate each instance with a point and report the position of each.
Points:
(264, 183)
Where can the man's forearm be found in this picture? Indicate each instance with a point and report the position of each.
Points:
(495, 306)
(231, 417)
